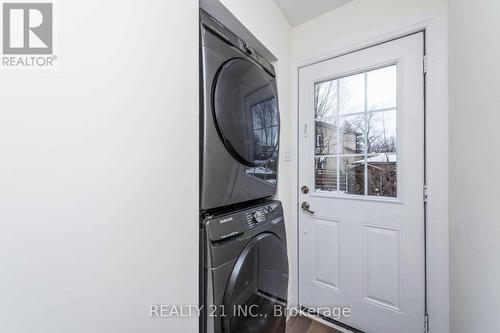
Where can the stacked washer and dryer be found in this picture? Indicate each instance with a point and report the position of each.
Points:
(243, 254)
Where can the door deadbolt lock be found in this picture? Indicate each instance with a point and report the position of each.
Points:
(305, 206)
(304, 189)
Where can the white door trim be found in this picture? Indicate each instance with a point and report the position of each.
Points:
(437, 237)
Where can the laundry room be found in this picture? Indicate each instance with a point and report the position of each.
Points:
(236, 166)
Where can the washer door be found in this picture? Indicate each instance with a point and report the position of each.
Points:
(246, 112)
(257, 288)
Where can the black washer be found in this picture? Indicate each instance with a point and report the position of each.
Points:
(244, 271)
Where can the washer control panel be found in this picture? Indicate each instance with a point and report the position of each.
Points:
(259, 216)
(262, 214)
(229, 225)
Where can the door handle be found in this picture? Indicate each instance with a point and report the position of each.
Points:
(305, 206)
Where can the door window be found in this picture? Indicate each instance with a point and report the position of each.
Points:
(356, 134)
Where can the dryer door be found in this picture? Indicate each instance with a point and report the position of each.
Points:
(256, 293)
(246, 113)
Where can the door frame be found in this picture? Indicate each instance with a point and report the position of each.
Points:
(436, 160)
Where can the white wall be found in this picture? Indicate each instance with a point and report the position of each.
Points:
(98, 172)
(359, 20)
(474, 161)
(264, 19)
(361, 23)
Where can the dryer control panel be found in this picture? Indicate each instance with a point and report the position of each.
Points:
(220, 30)
(232, 224)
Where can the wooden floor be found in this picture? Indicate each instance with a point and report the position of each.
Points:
(305, 324)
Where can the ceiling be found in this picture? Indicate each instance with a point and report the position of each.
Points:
(300, 11)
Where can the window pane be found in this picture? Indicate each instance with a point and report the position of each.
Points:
(382, 88)
(382, 175)
(352, 175)
(359, 137)
(382, 132)
(325, 103)
(352, 94)
(326, 138)
(352, 134)
(325, 173)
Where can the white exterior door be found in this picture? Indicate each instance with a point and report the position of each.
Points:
(361, 157)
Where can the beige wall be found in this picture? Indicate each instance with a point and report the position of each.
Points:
(474, 161)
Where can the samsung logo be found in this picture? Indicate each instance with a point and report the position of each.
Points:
(228, 219)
